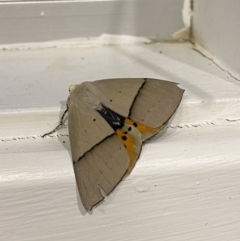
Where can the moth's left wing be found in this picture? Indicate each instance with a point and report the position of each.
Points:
(101, 168)
(100, 159)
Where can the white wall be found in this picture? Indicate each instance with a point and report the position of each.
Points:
(216, 27)
(54, 20)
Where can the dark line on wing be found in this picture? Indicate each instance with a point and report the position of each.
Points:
(129, 114)
(75, 162)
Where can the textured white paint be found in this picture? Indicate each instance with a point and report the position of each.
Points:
(42, 21)
(216, 28)
(102, 40)
(185, 185)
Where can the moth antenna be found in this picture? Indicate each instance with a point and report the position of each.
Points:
(63, 115)
(61, 123)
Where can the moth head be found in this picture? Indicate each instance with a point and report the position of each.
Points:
(72, 88)
(85, 96)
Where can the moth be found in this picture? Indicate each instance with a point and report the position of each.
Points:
(108, 120)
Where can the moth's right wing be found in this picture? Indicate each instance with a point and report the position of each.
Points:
(119, 94)
(156, 102)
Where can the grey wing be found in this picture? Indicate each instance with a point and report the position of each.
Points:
(156, 102)
(99, 158)
(86, 129)
(101, 168)
(119, 94)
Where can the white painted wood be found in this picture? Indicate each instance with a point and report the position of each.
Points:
(53, 20)
(185, 185)
(216, 28)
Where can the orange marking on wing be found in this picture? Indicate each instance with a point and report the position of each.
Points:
(143, 128)
(133, 141)
(128, 141)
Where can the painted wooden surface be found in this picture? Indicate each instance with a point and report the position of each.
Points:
(185, 185)
(216, 28)
(41, 21)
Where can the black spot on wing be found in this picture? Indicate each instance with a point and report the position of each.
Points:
(135, 124)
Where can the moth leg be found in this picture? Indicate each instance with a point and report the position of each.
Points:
(61, 123)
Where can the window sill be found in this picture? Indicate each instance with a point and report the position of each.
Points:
(186, 182)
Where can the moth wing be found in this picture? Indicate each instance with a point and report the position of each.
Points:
(100, 159)
(156, 102)
(119, 94)
(86, 127)
(85, 131)
(101, 168)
